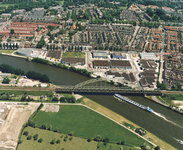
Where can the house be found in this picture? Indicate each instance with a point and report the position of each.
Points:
(134, 8)
(167, 9)
(153, 7)
(6, 15)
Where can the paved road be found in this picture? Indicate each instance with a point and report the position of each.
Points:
(158, 101)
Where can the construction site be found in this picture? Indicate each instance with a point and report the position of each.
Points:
(12, 117)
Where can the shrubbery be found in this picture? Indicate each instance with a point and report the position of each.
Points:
(9, 69)
(37, 76)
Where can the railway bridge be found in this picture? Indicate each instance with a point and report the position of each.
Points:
(100, 86)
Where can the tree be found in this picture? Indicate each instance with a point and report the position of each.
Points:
(12, 31)
(62, 99)
(6, 80)
(89, 140)
(23, 98)
(40, 140)
(98, 138)
(43, 126)
(29, 137)
(58, 141)
(25, 133)
(35, 137)
(28, 99)
(50, 127)
(52, 142)
(157, 148)
(20, 141)
(55, 99)
(106, 140)
(41, 43)
(17, 46)
(145, 147)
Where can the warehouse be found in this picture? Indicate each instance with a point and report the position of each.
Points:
(29, 52)
(147, 56)
(98, 54)
(118, 56)
(101, 64)
(73, 61)
(120, 64)
(148, 82)
(54, 54)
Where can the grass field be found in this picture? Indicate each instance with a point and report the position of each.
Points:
(74, 54)
(47, 136)
(86, 123)
(172, 97)
(35, 93)
(121, 119)
(111, 146)
(61, 3)
(6, 5)
(7, 51)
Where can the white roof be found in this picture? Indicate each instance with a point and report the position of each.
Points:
(148, 55)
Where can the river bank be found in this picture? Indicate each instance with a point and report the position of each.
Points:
(120, 119)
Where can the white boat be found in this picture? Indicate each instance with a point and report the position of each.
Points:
(180, 141)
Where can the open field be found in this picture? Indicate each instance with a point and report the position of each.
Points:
(86, 123)
(35, 93)
(121, 119)
(6, 5)
(111, 146)
(61, 3)
(7, 51)
(74, 54)
(74, 144)
(172, 97)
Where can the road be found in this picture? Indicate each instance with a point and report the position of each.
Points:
(162, 60)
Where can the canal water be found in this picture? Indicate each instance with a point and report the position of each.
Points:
(164, 123)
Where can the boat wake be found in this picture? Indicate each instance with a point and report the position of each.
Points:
(180, 141)
(160, 115)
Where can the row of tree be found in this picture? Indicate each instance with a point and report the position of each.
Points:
(37, 76)
(30, 74)
(59, 65)
(9, 69)
(9, 46)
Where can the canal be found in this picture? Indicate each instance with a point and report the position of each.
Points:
(166, 124)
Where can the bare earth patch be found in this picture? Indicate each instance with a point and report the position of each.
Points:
(178, 102)
(17, 115)
(77, 96)
(50, 107)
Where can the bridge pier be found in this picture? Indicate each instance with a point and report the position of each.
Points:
(72, 93)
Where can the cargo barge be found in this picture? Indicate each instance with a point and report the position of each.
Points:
(133, 103)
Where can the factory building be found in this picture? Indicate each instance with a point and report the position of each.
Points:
(120, 64)
(73, 61)
(100, 54)
(101, 64)
(118, 56)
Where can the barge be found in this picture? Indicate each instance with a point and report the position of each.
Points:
(133, 103)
